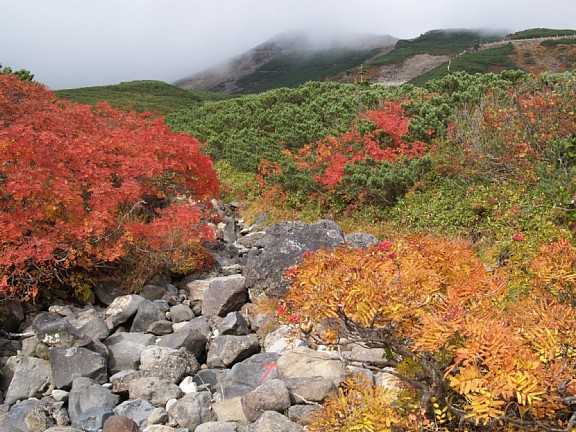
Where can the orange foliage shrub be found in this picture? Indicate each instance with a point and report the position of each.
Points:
(80, 187)
(504, 138)
(465, 347)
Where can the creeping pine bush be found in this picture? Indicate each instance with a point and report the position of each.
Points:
(83, 188)
(373, 163)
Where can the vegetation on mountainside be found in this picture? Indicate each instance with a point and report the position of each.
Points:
(435, 42)
(541, 33)
(493, 60)
(555, 42)
(141, 96)
(294, 68)
(85, 189)
(250, 128)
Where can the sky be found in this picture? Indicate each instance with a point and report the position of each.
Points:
(79, 43)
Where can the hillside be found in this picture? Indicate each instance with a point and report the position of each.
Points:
(153, 96)
(290, 60)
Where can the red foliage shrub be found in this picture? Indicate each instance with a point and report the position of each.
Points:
(384, 142)
(82, 186)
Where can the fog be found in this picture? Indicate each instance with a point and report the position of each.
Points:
(76, 43)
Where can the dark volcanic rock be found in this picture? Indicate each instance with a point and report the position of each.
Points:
(283, 244)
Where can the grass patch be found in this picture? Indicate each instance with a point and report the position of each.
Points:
(141, 96)
(555, 42)
(541, 32)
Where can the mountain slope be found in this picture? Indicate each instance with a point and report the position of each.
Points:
(148, 95)
(292, 59)
(288, 60)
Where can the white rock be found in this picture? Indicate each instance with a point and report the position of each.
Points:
(188, 385)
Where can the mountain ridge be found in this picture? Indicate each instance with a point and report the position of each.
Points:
(290, 59)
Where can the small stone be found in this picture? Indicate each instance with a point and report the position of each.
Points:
(59, 395)
(272, 421)
(188, 385)
(192, 410)
(160, 328)
(180, 313)
(302, 414)
(118, 423)
(157, 416)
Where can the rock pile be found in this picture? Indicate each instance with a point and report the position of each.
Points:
(189, 356)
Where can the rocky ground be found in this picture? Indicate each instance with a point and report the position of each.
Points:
(189, 355)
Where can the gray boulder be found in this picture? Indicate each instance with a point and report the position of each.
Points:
(361, 240)
(226, 350)
(70, 363)
(107, 291)
(302, 414)
(62, 429)
(210, 378)
(89, 323)
(158, 416)
(306, 363)
(230, 410)
(233, 324)
(305, 390)
(224, 294)
(148, 313)
(272, 395)
(217, 426)
(168, 363)
(196, 289)
(31, 378)
(138, 410)
(272, 421)
(155, 390)
(181, 313)
(250, 240)
(125, 350)
(27, 416)
(57, 332)
(160, 328)
(192, 410)
(248, 374)
(13, 316)
(90, 404)
(153, 292)
(283, 245)
(161, 428)
(122, 309)
(187, 337)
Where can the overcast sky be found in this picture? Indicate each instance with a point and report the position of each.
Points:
(77, 43)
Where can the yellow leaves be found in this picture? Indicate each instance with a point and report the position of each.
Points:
(498, 356)
(361, 406)
(468, 381)
(484, 407)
